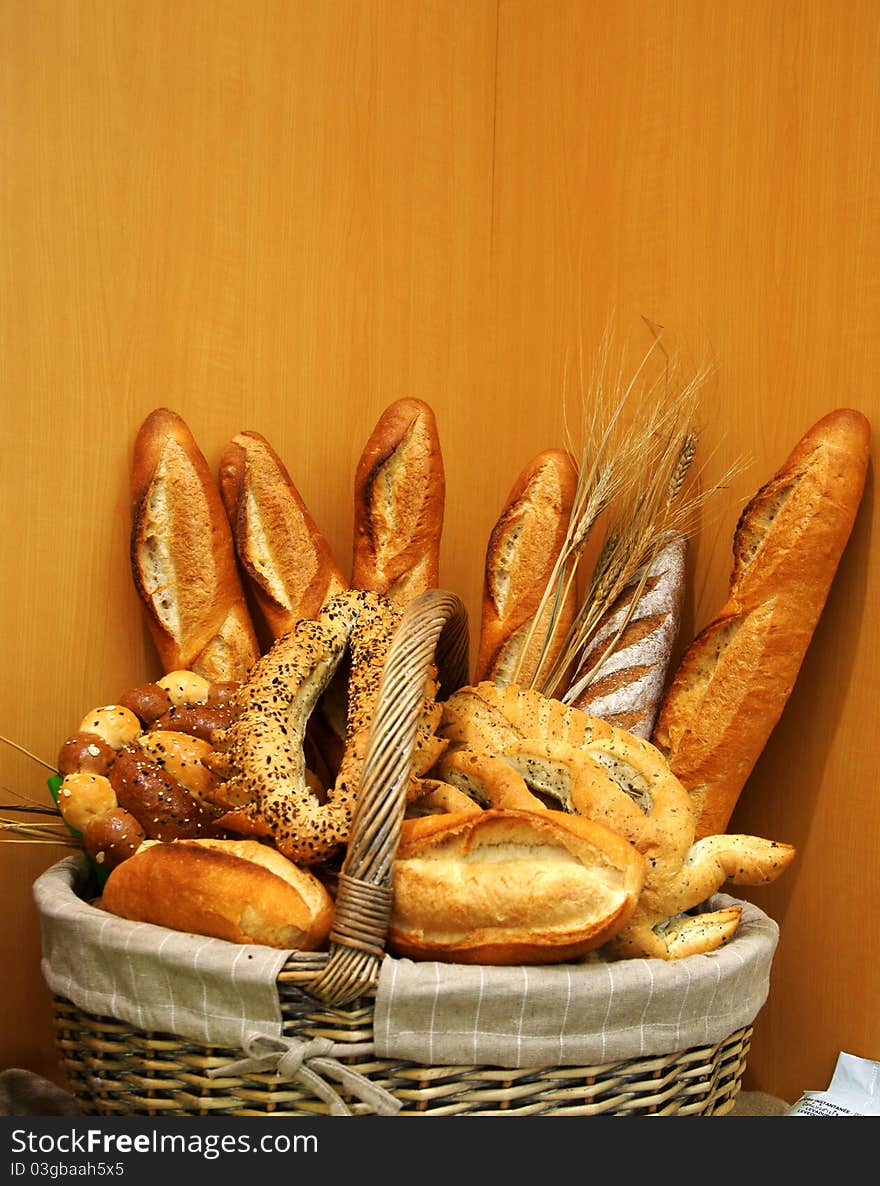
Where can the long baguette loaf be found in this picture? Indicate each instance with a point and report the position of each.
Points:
(625, 685)
(399, 502)
(736, 677)
(521, 553)
(287, 561)
(182, 556)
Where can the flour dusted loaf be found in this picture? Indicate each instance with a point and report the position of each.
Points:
(509, 887)
(183, 558)
(287, 560)
(737, 675)
(622, 674)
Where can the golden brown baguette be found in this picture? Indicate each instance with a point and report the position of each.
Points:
(622, 673)
(736, 676)
(399, 501)
(287, 561)
(183, 558)
(238, 890)
(522, 551)
(510, 887)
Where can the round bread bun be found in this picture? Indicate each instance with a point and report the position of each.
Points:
(510, 887)
(238, 890)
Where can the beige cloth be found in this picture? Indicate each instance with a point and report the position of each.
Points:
(574, 1014)
(222, 994)
(213, 992)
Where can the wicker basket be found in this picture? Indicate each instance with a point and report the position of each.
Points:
(327, 998)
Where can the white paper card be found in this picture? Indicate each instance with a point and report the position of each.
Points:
(854, 1090)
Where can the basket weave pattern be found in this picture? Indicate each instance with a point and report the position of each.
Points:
(326, 998)
(115, 1070)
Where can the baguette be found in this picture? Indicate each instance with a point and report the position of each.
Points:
(736, 676)
(183, 558)
(238, 890)
(287, 562)
(510, 887)
(399, 501)
(520, 556)
(625, 686)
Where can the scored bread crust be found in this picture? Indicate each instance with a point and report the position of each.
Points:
(508, 887)
(399, 502)
(735, 678)
(238, 890)
(520, 556)
(627, 659)
(182, 556)
(287, 560)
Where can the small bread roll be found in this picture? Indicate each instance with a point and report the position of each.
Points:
(113, 723)
(83, 797)
(238, 890)
(510, 887)
(183, 757)
(113, 837)
(85, 752)
(185, 687)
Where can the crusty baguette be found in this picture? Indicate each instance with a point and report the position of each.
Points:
(510, 887)
(399, 501)
(521, 553)
(625, 685)
(287, 561)
(238, 890)
(736, 676)
(183, 558)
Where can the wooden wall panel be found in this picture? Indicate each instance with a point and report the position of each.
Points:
(282, 216)
(713, 168)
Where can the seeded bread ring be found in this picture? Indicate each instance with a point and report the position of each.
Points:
(260, 759)
(615, 778)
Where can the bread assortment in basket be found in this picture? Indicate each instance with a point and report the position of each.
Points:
(543, 815)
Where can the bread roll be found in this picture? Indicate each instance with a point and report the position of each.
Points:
(286, 559)
(238, 890)
(399, 501)
(736, 676)
(509, 887)
(522, 551)
(625, 686)
(182, 556)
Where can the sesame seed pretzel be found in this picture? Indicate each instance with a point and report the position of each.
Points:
(260, 758)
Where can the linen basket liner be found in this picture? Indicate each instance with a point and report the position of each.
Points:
(224, 994)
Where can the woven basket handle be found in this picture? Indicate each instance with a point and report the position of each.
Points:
(433, 631)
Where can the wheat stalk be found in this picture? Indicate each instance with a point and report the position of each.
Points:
(13, 832)
(606, 460)
(27, 753)
(634, 474)
(23, 832)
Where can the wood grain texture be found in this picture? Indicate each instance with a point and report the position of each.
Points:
(283, 216)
